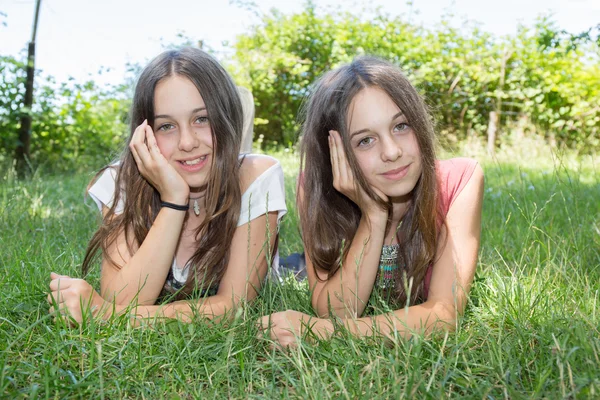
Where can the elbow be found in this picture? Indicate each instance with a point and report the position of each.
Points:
(444, 317)
(322, 312)
(323, 307)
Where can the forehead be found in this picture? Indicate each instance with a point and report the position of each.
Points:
(369, 108)
(176, 94)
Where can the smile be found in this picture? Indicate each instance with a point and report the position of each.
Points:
(396, 174)
(195, 164)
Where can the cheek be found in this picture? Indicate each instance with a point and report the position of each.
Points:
(365, 163)
(205, 136)
(414, 146)
(165, 146)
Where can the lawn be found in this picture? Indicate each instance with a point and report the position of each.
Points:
(531, 329)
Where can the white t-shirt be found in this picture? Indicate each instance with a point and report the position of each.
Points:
(265, 194)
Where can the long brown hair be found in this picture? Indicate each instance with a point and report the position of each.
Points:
(329, 220)
(223, 198)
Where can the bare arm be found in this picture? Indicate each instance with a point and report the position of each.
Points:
(251, 253)
(452, 276)
(342, 292)
(451, 280)
(348, 290)
(142, 275)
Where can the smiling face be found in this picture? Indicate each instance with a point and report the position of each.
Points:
(384, 144)
(182, 129)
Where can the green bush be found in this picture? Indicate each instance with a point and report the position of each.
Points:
(74, 125)
(549, 76)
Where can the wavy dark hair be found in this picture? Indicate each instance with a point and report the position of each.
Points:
(223, 198)
(330, 217)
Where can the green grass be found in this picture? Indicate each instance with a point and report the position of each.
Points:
(531, 329)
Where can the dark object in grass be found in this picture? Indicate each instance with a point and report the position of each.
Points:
(294, 264)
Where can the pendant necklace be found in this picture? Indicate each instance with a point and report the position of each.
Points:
(195, 206)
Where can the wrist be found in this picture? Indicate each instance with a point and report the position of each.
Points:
(102, 309)
(376, 218)
(178, 199)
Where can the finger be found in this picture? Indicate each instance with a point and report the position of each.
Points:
(139, 136)
(60, 283)
(335, 169)
(54, 275)
(151, 141)
(56, 297)
(264, 323)
(344, 167)
(138, 145)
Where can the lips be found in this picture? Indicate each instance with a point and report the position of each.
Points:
(396, 174)
(193, 164)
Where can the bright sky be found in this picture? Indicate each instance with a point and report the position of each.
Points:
(79, 37)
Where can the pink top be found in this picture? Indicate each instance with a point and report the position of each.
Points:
(453, 175)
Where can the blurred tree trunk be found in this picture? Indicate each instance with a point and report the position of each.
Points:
(22, 152)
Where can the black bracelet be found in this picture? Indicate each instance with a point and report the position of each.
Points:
(175, 206)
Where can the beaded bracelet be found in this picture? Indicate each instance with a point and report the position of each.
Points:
(175, 206)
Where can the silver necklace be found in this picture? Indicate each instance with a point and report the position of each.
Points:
(195, 206)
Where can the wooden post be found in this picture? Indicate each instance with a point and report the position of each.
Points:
(491, 132)
(22, 152)
(494, 125)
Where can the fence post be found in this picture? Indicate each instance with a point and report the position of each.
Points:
(491, 132)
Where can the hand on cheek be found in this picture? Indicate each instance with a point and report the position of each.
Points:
(344, 181)
(155, 168)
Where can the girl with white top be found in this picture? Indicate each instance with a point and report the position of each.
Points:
(184, 215)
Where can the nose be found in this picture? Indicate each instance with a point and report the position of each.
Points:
(390, 150)
(188, 140)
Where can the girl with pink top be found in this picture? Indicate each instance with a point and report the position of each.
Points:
(380, 215)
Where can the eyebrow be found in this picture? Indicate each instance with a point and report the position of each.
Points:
(398, 115)
(166, 116)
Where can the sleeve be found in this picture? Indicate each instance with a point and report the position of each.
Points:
(265, 194)
(103, 190)
(453, 175)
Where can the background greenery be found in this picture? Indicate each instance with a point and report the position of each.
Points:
(549, 85)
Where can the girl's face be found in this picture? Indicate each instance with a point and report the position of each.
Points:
(182, 129)
(384, 144)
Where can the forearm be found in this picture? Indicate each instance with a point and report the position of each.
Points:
(144, 275)
(183, 310)
(348, 290)
(424, 318)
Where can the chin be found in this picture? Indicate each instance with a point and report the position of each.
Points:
(197, 183)
(398, 192)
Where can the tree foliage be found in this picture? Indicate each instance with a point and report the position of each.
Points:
(548, 75)
(74, 125)
(544, 76)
